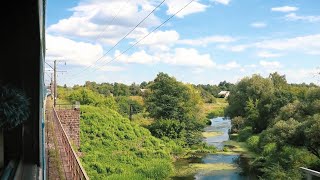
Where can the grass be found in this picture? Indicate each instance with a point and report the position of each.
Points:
(234, 148)
(54, 152)
(142, 120)
(214, 109)
(211, 134)
(193, 168)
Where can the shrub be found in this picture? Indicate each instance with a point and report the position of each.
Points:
(253, 143)
(156, 169)
(244, 134)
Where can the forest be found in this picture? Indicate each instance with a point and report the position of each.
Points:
(138, 131)
(279, 122)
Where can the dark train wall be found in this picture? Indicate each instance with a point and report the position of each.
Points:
(20, 66)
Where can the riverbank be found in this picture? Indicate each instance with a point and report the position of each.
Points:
(229, 161)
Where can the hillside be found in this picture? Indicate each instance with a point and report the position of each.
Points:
(114, 148)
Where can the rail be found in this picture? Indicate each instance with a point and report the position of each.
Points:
(67, 106)
(74, 164)
(310, 173)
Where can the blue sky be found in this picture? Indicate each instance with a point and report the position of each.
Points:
(207, 42)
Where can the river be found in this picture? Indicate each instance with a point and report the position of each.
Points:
(237, 162)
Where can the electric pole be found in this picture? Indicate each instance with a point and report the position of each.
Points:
(130, 113)
(54, 83)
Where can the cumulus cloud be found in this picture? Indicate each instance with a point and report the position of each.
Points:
(284, 9)
(229, 66)
(179, 57)
(160, 40)
(207, 40)
(270, 64)
(139, 57)
(77, 53)
(295, 17)
(258, 25)
(307, 44)
(188, 57)
(225, 2)
(112, 68)
(92, 20)
(266, 54)
(194, 7)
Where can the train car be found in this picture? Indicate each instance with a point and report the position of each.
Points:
(22, 66)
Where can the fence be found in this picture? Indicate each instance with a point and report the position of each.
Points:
(67, 106)
(310, 173)
(70, 159)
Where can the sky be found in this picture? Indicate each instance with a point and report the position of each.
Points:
(207, 42)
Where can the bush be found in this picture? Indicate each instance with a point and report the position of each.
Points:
(244, 134)
(170, 128)
(253, 143)
(156, 169)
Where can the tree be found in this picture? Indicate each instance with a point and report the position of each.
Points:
(85, 96)
(279, 81)
(170, 99)
(134, 89)
(176, 106)
(120, 89)
(312, 134)
(143, 85)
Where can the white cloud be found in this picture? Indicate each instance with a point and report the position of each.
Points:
(258, 25)
(225, 2)
(139, 57)
(239, 48)
(266, 54)
(301, 75)
(188, 57)
(160, 40)
(79, 53)
(284, 9)
(207, 40)
(92, 20)
(112, 68)
(307, 44)
(295, 17)
(178, 57)
(270, 64)
(194, 7)
(229, 66)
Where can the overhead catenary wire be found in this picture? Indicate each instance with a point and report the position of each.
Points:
(112, 20)
(133, 45)
(110, 49)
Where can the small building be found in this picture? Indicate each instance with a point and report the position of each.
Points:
(224, 94)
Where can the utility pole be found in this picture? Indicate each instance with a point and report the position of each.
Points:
(130, 113)
(55, 83)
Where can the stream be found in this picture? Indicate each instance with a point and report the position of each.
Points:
(237, 161)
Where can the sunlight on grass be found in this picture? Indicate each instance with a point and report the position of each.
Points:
(211, 134)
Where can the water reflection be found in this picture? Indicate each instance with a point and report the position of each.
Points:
(222, 125)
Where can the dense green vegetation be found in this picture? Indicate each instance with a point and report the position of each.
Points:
(167, 121)
(279, 122)
(115, 148)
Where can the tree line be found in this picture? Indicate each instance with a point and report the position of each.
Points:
(279, 121)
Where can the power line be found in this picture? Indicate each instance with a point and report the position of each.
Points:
(147, 34)
(113, 18)
(122, 38)
(144, 36)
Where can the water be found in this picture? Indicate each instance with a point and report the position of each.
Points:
(222, 126)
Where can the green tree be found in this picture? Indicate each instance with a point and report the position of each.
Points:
(170, 99)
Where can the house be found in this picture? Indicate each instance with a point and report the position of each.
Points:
(224, 94)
